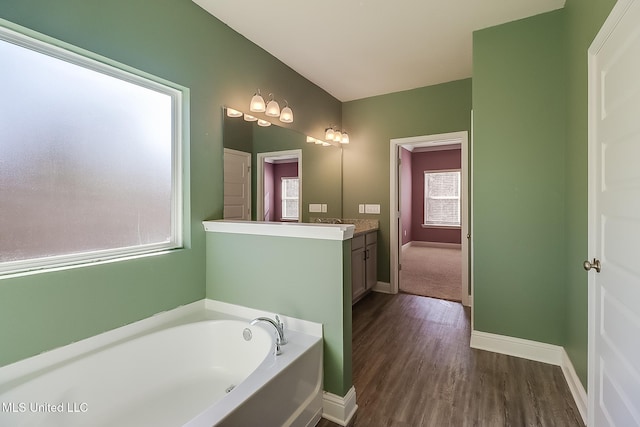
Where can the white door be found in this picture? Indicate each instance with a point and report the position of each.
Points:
(614, 220)
(237, 185)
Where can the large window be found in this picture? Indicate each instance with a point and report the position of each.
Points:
(290, 198)
(442, 198)
(90, 159)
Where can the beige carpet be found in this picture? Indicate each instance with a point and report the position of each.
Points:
(431, 272)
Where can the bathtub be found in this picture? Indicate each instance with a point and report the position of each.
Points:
(199, 369)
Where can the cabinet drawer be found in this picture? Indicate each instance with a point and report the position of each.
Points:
(357, 243)
(371, 238)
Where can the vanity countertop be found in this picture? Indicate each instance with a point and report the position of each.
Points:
(362, 225)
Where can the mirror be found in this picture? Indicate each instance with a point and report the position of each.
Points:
(274, 148)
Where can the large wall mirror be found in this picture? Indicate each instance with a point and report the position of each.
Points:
(283, 165)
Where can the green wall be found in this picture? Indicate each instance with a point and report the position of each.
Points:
(304, 278)
(519, 106)
(583, 19)
(178, 41)
(372, 123)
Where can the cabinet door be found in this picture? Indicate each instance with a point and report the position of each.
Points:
(372, 265)
(358, 282)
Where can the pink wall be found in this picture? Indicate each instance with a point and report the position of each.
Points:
(269, 193)
(281, 170)
(424, 161)
(406, 186)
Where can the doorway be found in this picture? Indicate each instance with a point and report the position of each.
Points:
(448, 244)
(279, 186)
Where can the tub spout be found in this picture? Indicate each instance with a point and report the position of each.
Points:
(278, 326)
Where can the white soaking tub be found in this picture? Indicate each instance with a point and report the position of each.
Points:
(199, 373)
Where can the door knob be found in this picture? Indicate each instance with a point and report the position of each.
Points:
(593, 264)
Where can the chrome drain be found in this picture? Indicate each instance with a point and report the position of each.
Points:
(231, 387)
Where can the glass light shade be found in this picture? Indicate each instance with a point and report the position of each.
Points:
(250, 118)
(325, 144)
(286, 115)
(233, 113)
(345, 138)
(337, 136)
(328, 134)
(273, 109)
(311, 139)
(318, 142)
(263, 123)
(257, 103)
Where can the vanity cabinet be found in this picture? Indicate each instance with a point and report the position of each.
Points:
(364, 264)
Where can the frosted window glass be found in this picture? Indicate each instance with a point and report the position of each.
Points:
(86, 159)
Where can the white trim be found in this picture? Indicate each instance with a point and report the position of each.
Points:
(260, 159)
(461, 138)
(575, 385)
(518, 347)
(382, 287)
(539, 352)
(337, 409)
(282, 229)
(442, 245)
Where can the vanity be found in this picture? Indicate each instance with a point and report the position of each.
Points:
(364, 254)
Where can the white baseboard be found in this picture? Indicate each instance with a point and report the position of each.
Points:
(434, 244)
(539, 352)
(575, 385)
(383, 287)
(337, 409)
(527, 349)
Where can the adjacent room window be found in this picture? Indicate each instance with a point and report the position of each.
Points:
(90, 158)
(290, 198)
(442, 198)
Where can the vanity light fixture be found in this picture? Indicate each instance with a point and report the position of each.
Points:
(233, 113)
(273, 108)
(335, 135)
(263, 123)
(250, 118)
(286, 115)
(257, 103)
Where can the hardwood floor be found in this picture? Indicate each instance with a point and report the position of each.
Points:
(412, 366)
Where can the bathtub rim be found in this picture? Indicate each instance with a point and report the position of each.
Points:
(23, 370)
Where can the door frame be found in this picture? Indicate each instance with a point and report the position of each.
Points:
(260, 159)
(462, 138)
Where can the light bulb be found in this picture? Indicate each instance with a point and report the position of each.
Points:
(273, 109)
(257, 103)
(233, 113)
(328, 134)
(286, 115)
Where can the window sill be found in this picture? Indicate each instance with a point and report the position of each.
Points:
(444, 227)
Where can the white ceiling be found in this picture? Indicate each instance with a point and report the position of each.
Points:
(359, 48)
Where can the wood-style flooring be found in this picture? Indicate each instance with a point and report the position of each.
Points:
(412, 366)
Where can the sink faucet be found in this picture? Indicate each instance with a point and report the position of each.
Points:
(279, 327)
